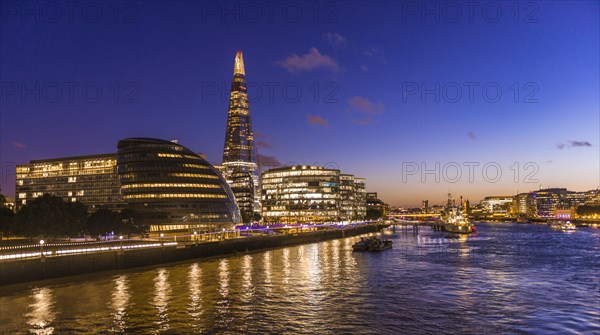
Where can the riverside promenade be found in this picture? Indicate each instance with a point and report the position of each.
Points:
(73, 259)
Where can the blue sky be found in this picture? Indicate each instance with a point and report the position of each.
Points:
(330, 82)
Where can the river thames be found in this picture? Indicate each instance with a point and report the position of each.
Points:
(506, 279)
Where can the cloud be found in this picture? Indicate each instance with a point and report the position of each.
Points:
(580, 144)
(263, 144)
(336, 40)
(365, 121)
(376, 53)
(259, 134)
(19, 145)
(362, 110)
(317, 120)
(364, 68)
(471, 135)
(365, 106)
(573, 144)
(308, 62)
(266, 162)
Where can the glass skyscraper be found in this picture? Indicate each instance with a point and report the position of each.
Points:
(239, 154)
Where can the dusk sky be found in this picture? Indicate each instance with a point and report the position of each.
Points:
(330, 83)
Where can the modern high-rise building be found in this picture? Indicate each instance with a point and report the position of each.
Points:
(91, 180)
(239, 153)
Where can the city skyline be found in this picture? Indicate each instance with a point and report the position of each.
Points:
(363, 106)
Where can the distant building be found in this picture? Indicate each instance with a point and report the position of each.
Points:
(91, 180)
(564, 213)
(375, 206)
(592, 197)
(547, 200)
(524, 205)
(174, 189)
(497, 205)
(347, 201)
(360, 197)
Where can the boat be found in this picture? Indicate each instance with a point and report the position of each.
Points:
(562, 226)
(372, 243)
(455, 221)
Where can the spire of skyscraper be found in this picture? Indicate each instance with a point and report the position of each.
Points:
(239, 155)
(239, 64)
(239, 139)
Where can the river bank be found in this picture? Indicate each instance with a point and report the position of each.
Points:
(25, 270)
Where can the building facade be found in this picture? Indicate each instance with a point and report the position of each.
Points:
(91, 180)
(239, 153)
(300, 193)
(547, 200)
(360, 197)
(347, 202)
(497, 205)
(524, 205)
(172, 188)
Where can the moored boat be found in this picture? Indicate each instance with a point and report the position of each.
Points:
(455, 221)
(372, 244)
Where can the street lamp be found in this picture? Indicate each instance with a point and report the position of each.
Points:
(161, 236)
(121, 242)
(41, 248)
(195, 237)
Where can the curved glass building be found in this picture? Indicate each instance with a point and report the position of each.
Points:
(172, 188)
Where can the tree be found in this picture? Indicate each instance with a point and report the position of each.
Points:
(6, 215)
(103, 222)
(131, 222)
(373, 214)
(49, 216)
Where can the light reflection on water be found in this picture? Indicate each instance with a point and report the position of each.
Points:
(160, 301)
(195, 295)
(41, 312)
(119, 303)
(507, 279)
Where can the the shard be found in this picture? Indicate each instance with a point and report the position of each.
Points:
(239, 154)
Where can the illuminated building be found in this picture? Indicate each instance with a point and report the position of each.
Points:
(91, 180)
(360, 197)
(347, 201)
(524, 205)
(300, 194)
(547, 200)
(497, 205)
(173, 188)
(592, 197)
(239, 154)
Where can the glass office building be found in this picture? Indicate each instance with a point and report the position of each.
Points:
(173, 188)
(91, 180)
(304, 193)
